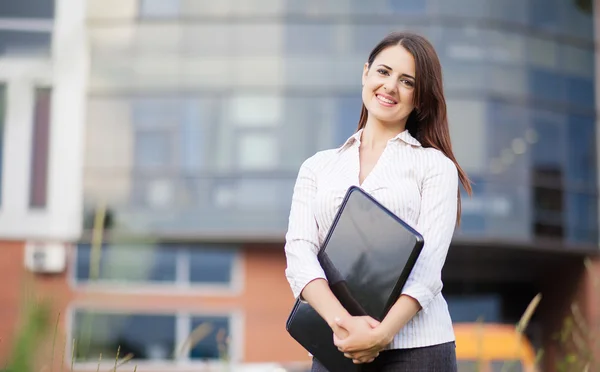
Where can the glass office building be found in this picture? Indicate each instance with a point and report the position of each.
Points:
(200, 113)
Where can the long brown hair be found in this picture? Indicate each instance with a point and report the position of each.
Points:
(428, 122)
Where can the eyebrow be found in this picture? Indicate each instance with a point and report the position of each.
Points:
(391, 69)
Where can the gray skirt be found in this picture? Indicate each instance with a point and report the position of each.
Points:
(436, 358)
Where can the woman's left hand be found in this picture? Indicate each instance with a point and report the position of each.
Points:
(362, 344)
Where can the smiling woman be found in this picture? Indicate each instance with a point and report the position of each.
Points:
(401, 155)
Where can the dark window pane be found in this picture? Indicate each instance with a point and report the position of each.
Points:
(544, 13)
(130, 263)
(24, 42)
(27, 9)
(212, 265)
(581, 155)
(547, 85)
(146, 336)
(40, 148)
(580, 91)
(487, 308)
(215, 344)
(582, 218)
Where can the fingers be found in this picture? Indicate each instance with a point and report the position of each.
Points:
(362, 357)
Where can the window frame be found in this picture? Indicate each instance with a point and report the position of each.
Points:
(182, 319)
(171, 288)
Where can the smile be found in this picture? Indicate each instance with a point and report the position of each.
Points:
(385, 100)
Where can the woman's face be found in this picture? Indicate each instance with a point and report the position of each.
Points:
(388, 86)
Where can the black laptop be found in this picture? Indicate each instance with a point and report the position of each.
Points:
(367, 257)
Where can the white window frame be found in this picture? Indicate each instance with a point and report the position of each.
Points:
(181, 286)
(182, 330)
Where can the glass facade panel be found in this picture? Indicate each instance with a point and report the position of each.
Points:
(246, 95)
(43, 9)
(156, 264)
(146, 336)
(14, 42)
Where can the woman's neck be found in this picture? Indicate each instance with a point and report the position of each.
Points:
(375, 135)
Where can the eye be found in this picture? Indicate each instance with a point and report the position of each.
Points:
(382, 71)
(408, 83)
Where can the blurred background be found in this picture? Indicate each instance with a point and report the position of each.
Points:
(179, 127)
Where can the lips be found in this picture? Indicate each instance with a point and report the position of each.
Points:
(386, 100)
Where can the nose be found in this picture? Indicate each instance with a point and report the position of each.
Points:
(389, 86)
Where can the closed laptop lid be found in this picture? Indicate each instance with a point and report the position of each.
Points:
(368, 254)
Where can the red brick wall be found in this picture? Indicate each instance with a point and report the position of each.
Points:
(265, 302)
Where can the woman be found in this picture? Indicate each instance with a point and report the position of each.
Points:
(401, 154)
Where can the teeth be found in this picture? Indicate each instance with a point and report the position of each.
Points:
(385, 100)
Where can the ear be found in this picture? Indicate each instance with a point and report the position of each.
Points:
(365, 72)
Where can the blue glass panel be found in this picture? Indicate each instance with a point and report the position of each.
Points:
(25, 43)
(309, 39)
(546, 85)
(191, 136)
(214, 344)
(548, 150)
(27, 9)
(474, 308)
(211, 265)
(544, 13)
(408, 6)
(473, 216)
(129, 263)
(348, 113)
(580, 91)
(581, 156)
(146, 336)
(582, 218)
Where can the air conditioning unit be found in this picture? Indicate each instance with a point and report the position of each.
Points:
(46, 257)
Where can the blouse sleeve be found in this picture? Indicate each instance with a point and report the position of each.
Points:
(302, 237)
(436, 222)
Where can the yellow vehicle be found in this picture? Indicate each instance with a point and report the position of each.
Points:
(487, 347)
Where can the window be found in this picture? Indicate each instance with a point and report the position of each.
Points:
(405, 7)
(255, 129)
(348, 114)
(26, 27)
(182, 266)
(160, 8)
(40, 148)
(306, 39)
(150, 337)
(27, 9)
(14, 42)
(169, 133)
(2, 118)
(581, 153)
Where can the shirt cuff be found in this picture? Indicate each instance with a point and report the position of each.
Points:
(299, 282)
(419, 292)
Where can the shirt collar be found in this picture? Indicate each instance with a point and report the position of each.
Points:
(404, 136)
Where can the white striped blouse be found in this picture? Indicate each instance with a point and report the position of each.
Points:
(418, 184)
